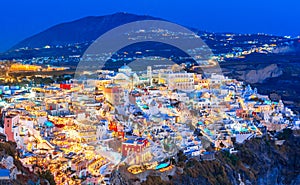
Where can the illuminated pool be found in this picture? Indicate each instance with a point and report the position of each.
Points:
(162, 165)
(48, 124)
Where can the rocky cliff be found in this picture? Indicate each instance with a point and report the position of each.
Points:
(253, 74)
(259, 162)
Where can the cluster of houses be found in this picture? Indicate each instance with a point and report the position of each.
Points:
(133, 118)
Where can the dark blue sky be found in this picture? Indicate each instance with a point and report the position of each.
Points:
(22, 18)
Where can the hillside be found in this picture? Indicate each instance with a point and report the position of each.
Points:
(258, 162)
(271, 72)
(82, 30)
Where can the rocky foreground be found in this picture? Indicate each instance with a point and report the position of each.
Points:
(262, 161)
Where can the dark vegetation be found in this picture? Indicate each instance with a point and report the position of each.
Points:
(259, 161)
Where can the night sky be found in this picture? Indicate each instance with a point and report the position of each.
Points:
(22, 18)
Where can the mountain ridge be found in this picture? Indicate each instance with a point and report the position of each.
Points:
(85, 29)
